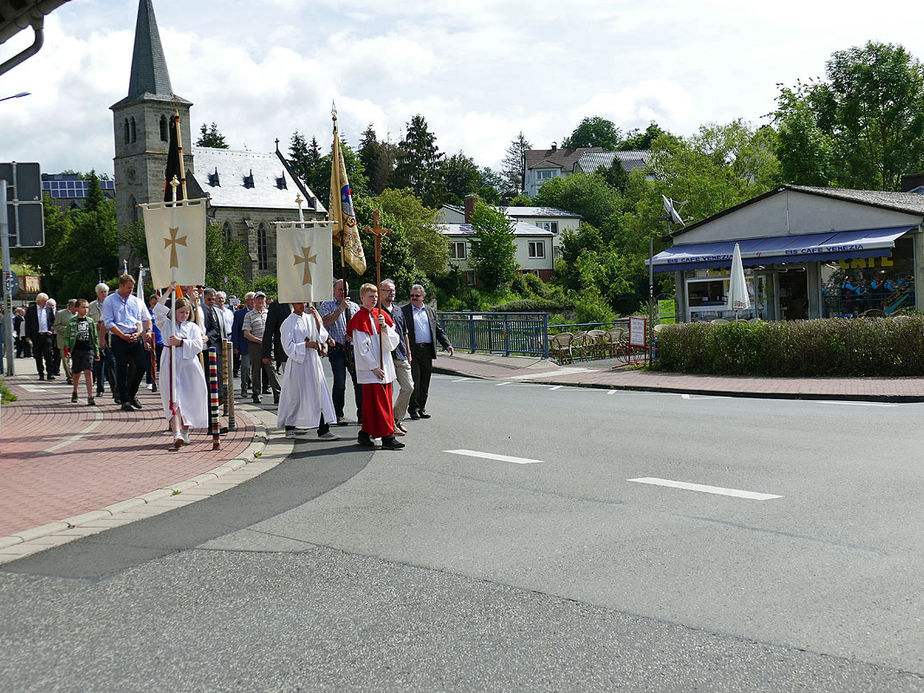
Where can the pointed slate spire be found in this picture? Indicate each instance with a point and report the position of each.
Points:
(149, 67)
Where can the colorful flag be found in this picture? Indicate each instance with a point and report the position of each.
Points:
(175, 236)
(345, 231)
(304, 261)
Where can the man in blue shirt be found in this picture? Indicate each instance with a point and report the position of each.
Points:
(335, 315)
(128, 321)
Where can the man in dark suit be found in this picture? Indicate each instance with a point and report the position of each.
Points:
(423, 332)
(215, 333)
(40, 319)
(276, 314)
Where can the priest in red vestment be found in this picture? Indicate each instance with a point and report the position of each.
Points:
(374, 373)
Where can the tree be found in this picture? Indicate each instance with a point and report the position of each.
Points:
(514, 170)
(871, 111)
(636, 140)
(493, 248)
(356, 173)
(461, 176)
(210, 137)
(594, 132)
(378, 159)
(491, 186)
(407, 214)
(417, 164)
(616, 175)
(587, 195)
(805, 152)
(224, 261)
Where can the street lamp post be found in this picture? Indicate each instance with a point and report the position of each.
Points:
(16, 96)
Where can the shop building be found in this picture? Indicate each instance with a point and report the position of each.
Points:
(808, 253)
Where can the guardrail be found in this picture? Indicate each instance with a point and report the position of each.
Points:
(525, 334)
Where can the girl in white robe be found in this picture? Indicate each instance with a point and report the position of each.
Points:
(305, 394)
(190, 396)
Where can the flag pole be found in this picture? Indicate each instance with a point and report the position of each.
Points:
(173, 184)
(179, 146)
(335, 156)
(378, 232)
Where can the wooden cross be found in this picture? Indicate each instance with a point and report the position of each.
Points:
(378, 232)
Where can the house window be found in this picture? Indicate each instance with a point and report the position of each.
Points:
(128, 136)
(134, 130)
(536, 249)
(164, 135)
(457, 250)
(544, 174)
(262, 262)
(548, 225)
(470, 278)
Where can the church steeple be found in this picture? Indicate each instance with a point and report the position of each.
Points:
(149, 67)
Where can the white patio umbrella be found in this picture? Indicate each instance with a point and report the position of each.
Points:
(738, 298)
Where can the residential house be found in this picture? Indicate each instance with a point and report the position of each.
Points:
(542, 165)
(631, 160)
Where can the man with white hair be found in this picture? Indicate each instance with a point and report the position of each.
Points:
(104, 369)
(40, 318)
(241, 347)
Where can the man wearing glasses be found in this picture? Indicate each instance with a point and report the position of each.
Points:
(424, 332)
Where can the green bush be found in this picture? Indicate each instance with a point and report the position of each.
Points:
(531, 305)
(803, 348)
(5, 394)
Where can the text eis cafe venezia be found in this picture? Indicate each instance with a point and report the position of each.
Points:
(808, 253)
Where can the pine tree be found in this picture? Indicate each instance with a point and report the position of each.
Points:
(211, 137)
(418, 163)
(513, 166)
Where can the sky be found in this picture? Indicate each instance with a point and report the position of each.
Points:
(479, 71)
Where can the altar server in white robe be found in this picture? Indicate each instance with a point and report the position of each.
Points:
(305, 398)
(190, 396)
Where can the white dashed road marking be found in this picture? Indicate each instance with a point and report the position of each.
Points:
(492, 456)
(555, 387)
(97, 420)
(752, 495)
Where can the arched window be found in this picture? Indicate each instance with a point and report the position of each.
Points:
(262, 262)
(134, 130)
(164, 135)
(132, 208)
(127, 133)
(227, 229)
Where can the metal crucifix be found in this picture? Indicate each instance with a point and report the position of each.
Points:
(378, 232)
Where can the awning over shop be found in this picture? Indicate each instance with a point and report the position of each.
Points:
(815, 247)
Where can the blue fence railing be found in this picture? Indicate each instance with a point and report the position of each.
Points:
(526, 334)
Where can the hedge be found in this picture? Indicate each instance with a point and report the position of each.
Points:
(532, 305)
(802, 348)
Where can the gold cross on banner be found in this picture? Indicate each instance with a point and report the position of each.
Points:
(172, 242)
(305, 259)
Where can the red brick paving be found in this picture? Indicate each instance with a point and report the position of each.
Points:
(602, 374)
(124, 456)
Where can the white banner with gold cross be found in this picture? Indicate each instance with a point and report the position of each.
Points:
(176, 242)
(304, 261)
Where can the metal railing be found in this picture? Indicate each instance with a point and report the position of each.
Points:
(525, 334)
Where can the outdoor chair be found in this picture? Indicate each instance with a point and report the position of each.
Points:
(618, 343)
(580, 346)
(720, 321)
(560, 347)
(597, 346)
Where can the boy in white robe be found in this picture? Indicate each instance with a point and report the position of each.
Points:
(305, 398)
(190, 396)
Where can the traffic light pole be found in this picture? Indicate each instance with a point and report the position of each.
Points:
(9, 353)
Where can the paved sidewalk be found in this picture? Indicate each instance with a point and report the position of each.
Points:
(608, 374)
(66, 465)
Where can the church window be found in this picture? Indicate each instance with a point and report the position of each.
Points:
(134, 130)
(262, 262)
(227, 229)
(248, 180)
(127, 133)
(164, 135)
(133, 208)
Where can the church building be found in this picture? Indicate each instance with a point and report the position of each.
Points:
(247, 190)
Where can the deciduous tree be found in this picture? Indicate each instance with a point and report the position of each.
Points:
(493, 248)
(594, 132)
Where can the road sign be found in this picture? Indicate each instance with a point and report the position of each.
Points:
(25, 216)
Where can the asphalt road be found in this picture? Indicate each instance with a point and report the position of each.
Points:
(570, 567)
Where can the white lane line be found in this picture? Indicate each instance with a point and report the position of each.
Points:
(555, 387)
(506, 382)
(560, 371)
(702, 488)
(34, 388)
(611, 392)
(97, 420)
(462, 380)
(697, 397)
(492, 456)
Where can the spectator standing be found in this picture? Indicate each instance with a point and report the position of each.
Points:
(215, 332)
(401, 355)
(23, 348)
(424, 332)
(40, 320)
(241, 344)
(253, 328)
(151, 378)
(336, 314)
(273, 350)
(128, 322)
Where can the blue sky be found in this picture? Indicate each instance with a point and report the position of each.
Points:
(479, 71)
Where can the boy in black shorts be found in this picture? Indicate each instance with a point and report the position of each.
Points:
(81, 343)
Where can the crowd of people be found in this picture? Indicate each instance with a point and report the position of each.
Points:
(278, 349)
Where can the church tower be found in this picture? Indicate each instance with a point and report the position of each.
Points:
(141, 124)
